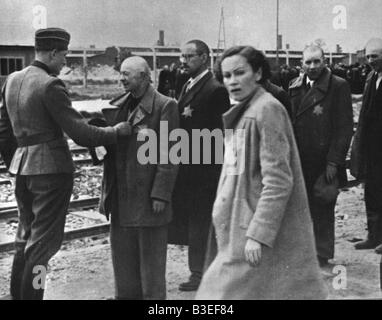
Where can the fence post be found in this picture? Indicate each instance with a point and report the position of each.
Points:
(85, 62)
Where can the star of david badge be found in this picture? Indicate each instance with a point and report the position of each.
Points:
(187, 112)
(318, 110)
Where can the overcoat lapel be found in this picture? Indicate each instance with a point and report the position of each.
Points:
(144, 107)
(111, 112)
(317, 94)
(368, 93)
(233, 115)
(187, 97)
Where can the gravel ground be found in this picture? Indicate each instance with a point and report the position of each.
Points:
(82, 269)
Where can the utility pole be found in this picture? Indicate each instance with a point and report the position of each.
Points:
(277, 34)
(221, 37)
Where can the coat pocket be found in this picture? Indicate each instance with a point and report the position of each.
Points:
(245, 213)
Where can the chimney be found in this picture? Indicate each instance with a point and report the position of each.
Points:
(161, 38)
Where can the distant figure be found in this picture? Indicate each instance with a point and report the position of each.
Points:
(181, 77)
(322, 118)
(172, 79)
(366, 155)
(164, 81)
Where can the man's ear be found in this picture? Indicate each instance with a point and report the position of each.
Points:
(52, 54)
(205, 58)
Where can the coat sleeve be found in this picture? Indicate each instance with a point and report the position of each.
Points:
(58, 104)
(166, 173)
(8, 143)
(342, 118)
(275, 135)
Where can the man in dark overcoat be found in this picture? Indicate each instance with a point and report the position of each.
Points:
(201, 104)
(322, 118)
(35, 111)
(136, 191)
(366, 155)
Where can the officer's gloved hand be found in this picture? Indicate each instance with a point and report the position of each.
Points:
(123, 128)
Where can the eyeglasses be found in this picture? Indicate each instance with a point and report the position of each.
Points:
(189, 56)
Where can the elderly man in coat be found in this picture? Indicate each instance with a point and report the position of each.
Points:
(366, 156)
(136, 191)
(322, 117)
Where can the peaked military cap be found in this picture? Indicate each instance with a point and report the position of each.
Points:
(51, 38)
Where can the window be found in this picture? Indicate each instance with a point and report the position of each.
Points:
(9, 65)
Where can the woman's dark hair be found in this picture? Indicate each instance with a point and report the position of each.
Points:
(255, 58)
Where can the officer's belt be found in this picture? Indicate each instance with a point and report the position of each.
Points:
(38, 139)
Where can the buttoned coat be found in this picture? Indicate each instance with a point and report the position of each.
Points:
(358, 160)
(261, 195)
(139, 183)
(323, 124)
(207, 100)
(36, 105)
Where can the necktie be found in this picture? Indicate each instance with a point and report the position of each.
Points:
(308, 86)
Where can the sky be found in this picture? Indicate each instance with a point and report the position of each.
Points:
(106, 23)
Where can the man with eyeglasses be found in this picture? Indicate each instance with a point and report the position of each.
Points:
(366, 156)
(201, 104)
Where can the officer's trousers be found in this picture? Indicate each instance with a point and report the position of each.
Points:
(43, 202)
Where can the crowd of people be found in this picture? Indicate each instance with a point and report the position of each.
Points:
(355, 74)
(259, 224)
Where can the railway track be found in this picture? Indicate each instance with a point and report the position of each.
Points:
(76, 207)
(10, 211)
(76, 160)
(91, 231)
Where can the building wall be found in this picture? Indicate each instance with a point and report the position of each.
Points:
(25, 53)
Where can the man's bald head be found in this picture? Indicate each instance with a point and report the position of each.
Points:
(374, 43)
(313, 48)
(313, 61)
(135, 75)
(374, 53)
(137, 64)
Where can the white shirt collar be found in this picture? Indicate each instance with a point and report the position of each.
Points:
(193, 81)
(311, 82)
(379, 79)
